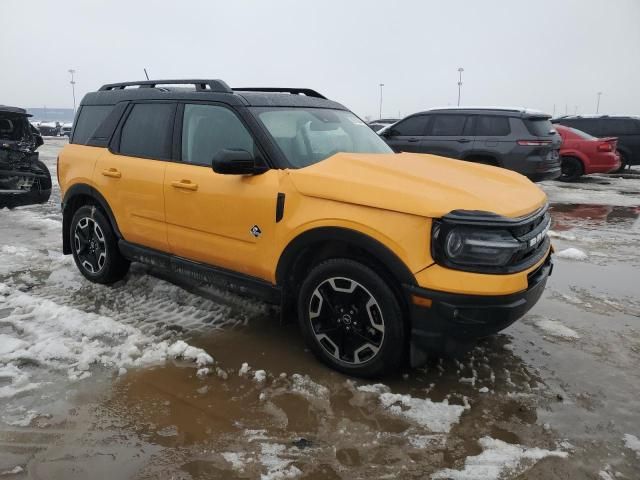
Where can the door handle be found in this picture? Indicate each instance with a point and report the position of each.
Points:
(112, 172)
(185, 185)
(464, 140)
(414, 139)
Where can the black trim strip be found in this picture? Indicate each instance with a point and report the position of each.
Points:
(220, 277)
(280, 206)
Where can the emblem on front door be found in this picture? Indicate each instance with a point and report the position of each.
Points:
(255, 231)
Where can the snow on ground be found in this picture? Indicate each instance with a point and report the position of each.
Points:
(56, 327)
(497, 459)
(556, 329)
(596, 189)
(632, 442)
(438, 417)
(572, 254)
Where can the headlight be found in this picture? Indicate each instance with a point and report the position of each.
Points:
(462, 245)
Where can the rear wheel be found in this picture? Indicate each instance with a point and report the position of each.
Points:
(95, 248)
(572, 169)
(351, 319)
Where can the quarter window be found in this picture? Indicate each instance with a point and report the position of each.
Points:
(412, 126)
(447, 125)
(147, 131)
(90, 118)
(620, 126)
(207, 129)
(492, 126)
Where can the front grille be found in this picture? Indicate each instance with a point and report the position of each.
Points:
(533, 236)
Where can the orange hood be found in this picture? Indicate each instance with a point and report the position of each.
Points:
(424, 185)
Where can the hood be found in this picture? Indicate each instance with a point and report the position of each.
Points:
(424, 185)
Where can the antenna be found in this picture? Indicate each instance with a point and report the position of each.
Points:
(145, 73)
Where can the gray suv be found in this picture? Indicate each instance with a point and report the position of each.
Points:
(518, 139)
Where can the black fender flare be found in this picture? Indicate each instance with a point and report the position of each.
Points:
(377, 250)
(82, 189)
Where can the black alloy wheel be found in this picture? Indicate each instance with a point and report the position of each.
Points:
(95, 246)
(351, 318)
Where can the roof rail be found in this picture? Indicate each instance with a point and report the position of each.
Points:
(295, 91)
(201, 85)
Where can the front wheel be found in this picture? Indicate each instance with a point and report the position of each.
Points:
(351, 319)
(95, 247)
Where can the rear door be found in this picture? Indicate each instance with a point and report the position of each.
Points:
(406, 135)
(445, 136)
(130, 175)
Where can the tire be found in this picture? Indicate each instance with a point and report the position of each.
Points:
(623, 163)
(572, 169)
(41, 191)
(345, 305)
(95, 247)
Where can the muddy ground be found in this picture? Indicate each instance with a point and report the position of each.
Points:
(95, 383)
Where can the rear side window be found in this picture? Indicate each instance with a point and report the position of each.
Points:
(147, 131)
(89, 119)
(412, 126)
(447, 125)
(620, 126)
(539, 127)
(492, 126)
(207, 129)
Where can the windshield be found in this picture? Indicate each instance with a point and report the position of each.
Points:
(310, 135)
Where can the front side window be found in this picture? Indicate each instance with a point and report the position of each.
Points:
(147, 131)
(207, 129)
(309, 135)
(447, 125)
(412, 126)
(492, 126)
(90, 118)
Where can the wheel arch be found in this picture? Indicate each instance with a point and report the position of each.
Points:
(78, 195)
(576, 154)
(322, 243)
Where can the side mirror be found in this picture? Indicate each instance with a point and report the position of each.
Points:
(387, 132)
(235, 162)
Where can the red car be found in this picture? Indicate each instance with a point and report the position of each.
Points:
(582, 154)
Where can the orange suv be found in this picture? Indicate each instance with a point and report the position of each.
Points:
(287, 196)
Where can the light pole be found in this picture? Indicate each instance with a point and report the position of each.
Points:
(73, 90)
(598, 104)
(380, 112)
(460, 70)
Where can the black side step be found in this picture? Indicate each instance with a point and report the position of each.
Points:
(236, 282)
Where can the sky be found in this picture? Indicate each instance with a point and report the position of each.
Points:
(551, 55)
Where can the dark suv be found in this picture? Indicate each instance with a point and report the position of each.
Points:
(517, 139)
(625, 128)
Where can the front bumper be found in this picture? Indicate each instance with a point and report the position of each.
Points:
(459, 317)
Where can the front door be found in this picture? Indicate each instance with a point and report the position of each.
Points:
(406, 135)
(222, 220)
